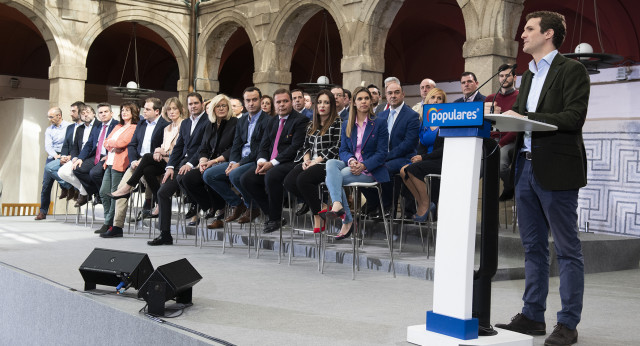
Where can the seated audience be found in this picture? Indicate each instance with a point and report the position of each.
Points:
(242, 158)
(283, 136)
(214, 150)
(363, 148)
(427, 161)
(322, 143)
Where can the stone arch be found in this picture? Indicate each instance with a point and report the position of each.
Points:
(49, 26)
(212, 41)
(378, 17)
(287, 25)
(174, 34)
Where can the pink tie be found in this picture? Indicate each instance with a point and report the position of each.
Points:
(99, 148)
(274, 152)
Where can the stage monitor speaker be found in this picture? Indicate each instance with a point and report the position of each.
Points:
(115, 268)
(169, 281)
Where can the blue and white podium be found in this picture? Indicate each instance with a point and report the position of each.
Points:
(450, 322)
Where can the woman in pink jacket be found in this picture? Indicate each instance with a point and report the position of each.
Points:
(116, 163)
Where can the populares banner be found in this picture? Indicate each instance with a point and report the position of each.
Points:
(462, 114)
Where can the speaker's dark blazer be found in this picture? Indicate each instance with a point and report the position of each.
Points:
(374, 147)
(404, 137)
(188, 143)
(241, 137)
(89, 149)
(291, 138)
(559, 160)
(68, 140)
(217, 141)
(135, 146)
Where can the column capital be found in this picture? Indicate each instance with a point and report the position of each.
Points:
(490, 46)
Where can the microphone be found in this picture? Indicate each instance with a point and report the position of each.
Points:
(504, 68)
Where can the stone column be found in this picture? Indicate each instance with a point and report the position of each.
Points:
(362, 70)
(491, 27)
(66, 86)
(484, 56)
(270, 81)
(208, 88)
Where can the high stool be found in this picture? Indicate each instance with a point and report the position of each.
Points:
(356, 235)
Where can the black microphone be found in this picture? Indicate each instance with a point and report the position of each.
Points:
(492, 77)
(495, 96)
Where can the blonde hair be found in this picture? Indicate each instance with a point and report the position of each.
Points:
(176, 101)
(432, 92)
(214, 103)
(353, 112)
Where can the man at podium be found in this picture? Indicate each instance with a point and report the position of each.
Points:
(550, 168)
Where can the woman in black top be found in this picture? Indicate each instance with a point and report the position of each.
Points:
(215, 148)
(321, 143)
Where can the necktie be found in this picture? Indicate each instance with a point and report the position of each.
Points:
(274, 152)
(103, 132)
(390, 120)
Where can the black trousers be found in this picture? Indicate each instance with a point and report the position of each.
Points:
(165, 193)
(83, 174)
(201, 193)
(267, 190)
(96, 174)
(304, 184)
(150, 169)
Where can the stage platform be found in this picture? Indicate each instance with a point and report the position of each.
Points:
(249, 301)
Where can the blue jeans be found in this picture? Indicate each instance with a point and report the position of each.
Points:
(52, 168)
(339, 174)
(539, 211)
(110, 182)
(217, 180)
(235, 176)
(47, 184)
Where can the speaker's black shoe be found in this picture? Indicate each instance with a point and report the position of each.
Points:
(193, 210)
(114, 232)
(521, 324)
(303, 209)
(161, 241)
(561, 336)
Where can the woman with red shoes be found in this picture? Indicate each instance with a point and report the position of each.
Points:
(322, 143)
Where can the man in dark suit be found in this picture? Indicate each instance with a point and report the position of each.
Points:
(550, 168)
(88, 167)
(243, 157)
(283, 136)
(470, 92)
(82, 137)
(298, 104)
(146, 138)
(403, 125)
(343, 108)
(186, 148)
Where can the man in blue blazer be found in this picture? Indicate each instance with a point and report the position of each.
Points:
(243, 157)
(282, 138)
(298, 104)
(403, 125)
(470, 92)
(88, 168)
(186, 148)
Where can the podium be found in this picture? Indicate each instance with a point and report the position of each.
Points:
(451, 322)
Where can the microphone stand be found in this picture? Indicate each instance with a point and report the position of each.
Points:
(493, 102)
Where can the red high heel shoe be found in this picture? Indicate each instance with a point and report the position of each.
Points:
(318, 230)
